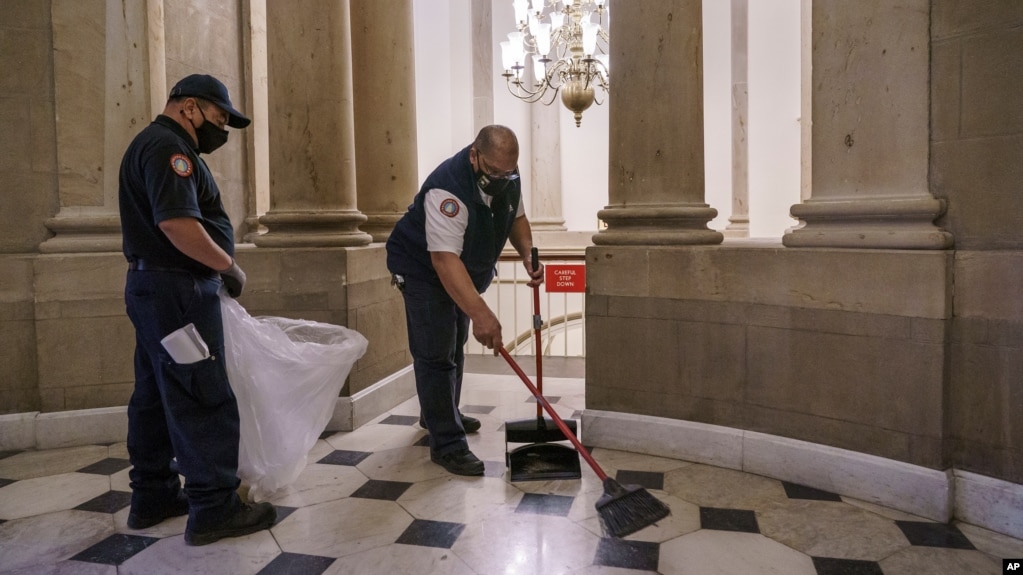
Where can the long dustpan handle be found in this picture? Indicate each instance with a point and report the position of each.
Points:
(537, 324)
(557, 418)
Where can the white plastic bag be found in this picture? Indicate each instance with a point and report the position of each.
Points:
(287, 375)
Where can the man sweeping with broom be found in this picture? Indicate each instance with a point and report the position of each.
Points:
(441, 255)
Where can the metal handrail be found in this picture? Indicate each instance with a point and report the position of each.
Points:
(563, 330)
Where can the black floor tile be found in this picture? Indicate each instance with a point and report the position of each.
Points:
(108, 466)
(6, 482)
(385, 490)
(109, 502)
(539, 504)
(400, 420)
(639, 555)
(342, 457)
(115, 549)
(424, 441)
(646, 479)
(283, 512)
(551, 399)
(741, 520)
(831, 566)
(795, 491)
(478, 409)
(431, 534)
(925, 534)
(295, 563)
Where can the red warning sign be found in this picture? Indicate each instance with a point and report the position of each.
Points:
(565, 278)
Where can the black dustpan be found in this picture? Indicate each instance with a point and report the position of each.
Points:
(540, 459)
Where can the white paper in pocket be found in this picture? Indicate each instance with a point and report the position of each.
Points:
(185, 345)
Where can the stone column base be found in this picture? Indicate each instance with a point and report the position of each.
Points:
(657, 225)
(83, 234)
(336, 228)
(897, 223)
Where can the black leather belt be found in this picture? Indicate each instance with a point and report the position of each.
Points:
(145, 266)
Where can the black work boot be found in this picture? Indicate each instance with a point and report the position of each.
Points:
(143, 518)
(246, 519)
(461, 462)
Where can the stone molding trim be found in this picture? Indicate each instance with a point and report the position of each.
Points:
(938, 495)
(36, 430)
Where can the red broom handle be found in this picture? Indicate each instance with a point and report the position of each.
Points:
(557, 418)
(537, 324)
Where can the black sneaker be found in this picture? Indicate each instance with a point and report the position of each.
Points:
(471, 424)
(139, 519)
(247, 519)
(459, 462)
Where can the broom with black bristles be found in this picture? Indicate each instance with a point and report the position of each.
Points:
(623, 509)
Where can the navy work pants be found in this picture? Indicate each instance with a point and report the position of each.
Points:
(183, 412)
(437, 332)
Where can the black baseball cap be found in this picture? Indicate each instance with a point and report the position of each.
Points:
(211, 89)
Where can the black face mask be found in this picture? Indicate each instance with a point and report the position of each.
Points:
(210, 137)
(492, 187)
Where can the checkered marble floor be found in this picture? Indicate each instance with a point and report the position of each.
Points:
(370, 501)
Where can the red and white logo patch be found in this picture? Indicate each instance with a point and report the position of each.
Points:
(449, 208)
(181, 165)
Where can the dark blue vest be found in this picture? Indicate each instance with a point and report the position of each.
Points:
(485, 235)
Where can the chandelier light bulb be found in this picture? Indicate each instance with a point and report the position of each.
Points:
(543, 39)
(568, 55)
(521, 10)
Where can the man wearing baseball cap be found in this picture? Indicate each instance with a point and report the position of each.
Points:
(179, 243)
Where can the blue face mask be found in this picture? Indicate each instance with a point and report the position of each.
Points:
(209, 136)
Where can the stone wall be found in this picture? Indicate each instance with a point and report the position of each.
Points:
(67, 343)
(838, 347)
(976, 151)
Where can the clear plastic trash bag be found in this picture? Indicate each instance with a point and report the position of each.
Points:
(287, 375)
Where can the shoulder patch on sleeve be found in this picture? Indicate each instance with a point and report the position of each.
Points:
(181, 165)
(449, 208)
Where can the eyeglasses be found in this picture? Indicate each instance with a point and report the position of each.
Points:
(510, 176)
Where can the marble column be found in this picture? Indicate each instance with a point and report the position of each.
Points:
(99, 119)
(312, 127)
(870, 130)
(257, 202)
(385, 112)
(481, 17)
(656, 171)
(738, 221)
(546, 210)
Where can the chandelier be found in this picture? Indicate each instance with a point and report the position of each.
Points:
(565, 42)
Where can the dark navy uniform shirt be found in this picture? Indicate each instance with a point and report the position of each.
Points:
(486, 231)
(162, 177)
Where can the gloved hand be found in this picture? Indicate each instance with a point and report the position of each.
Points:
(234, 279)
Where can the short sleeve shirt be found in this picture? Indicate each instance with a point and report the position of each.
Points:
(162, 177)
(447, 219)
